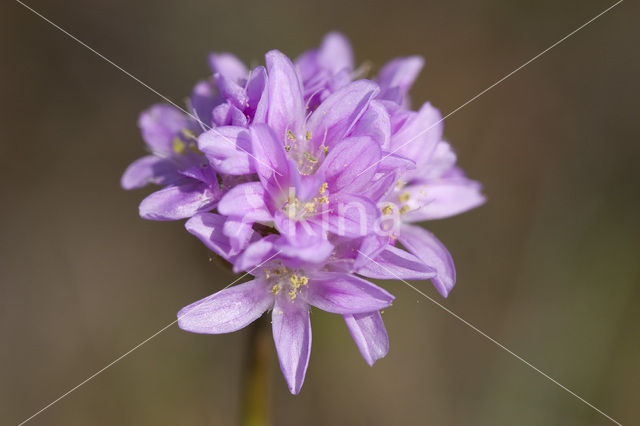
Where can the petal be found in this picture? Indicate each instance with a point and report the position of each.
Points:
(178, 202)
(257, 95)
(204, 174)
(239, 232)
(149, 169)
(432, 252)
(255, 254)
(268, 151)
(160, 124)
(396, 264)
(375, 123)
(335, 53)
(227, 149)
(351, 215)
(208, 228)
(371, 246)
(342, 293)
(337, 115)
(445, 198)
(231, 90)
(227, 114)
(351, 164)
(443, 159)
(292, 335)
(380, 187)
(395, 163)
(419, 135)
(285, 97)
(370, 335)
(300, 233)
(204, 99)
(399, 74)
(228, 65)
(317, 252)
(246, 201)
(227, 310)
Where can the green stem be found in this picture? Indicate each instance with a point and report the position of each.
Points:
(255, 401)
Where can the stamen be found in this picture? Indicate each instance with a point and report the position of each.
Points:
(291, 136)
(307, 135)
(178, 145)
(404, 197)
(310, 157)
(188, 134)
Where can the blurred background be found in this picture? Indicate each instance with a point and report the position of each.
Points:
(548, 267)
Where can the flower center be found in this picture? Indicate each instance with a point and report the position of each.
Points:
(296, 209)
(301, 150)
(185, 142)
(286, 282)
(398, 199)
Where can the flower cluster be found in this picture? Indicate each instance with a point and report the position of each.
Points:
(309, 178)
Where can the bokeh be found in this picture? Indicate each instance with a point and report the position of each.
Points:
(548, 267)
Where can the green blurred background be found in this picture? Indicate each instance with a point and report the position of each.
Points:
(548, 267)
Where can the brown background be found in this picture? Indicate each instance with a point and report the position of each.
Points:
(549, 266)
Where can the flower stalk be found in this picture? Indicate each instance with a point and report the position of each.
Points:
(257, 372)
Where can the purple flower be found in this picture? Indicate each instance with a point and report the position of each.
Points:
(326, 69)
(311, 168)
(191, 184)
(290, 292)
(310, 179)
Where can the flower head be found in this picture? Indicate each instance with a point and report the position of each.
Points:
(309, 178)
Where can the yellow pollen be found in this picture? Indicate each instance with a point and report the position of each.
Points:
(387, 210)
(295, 282)
(267, 274)
(309, 207)
(304, 280)
(404, 197)
(323, 188)
(287, 148)
(310, 157)
(178, 146)
(292, 294)
(404, 209)
(275, 289)
(323, 199)
(307, 135)
(188, 134)
(291, 136)
(324, 149)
